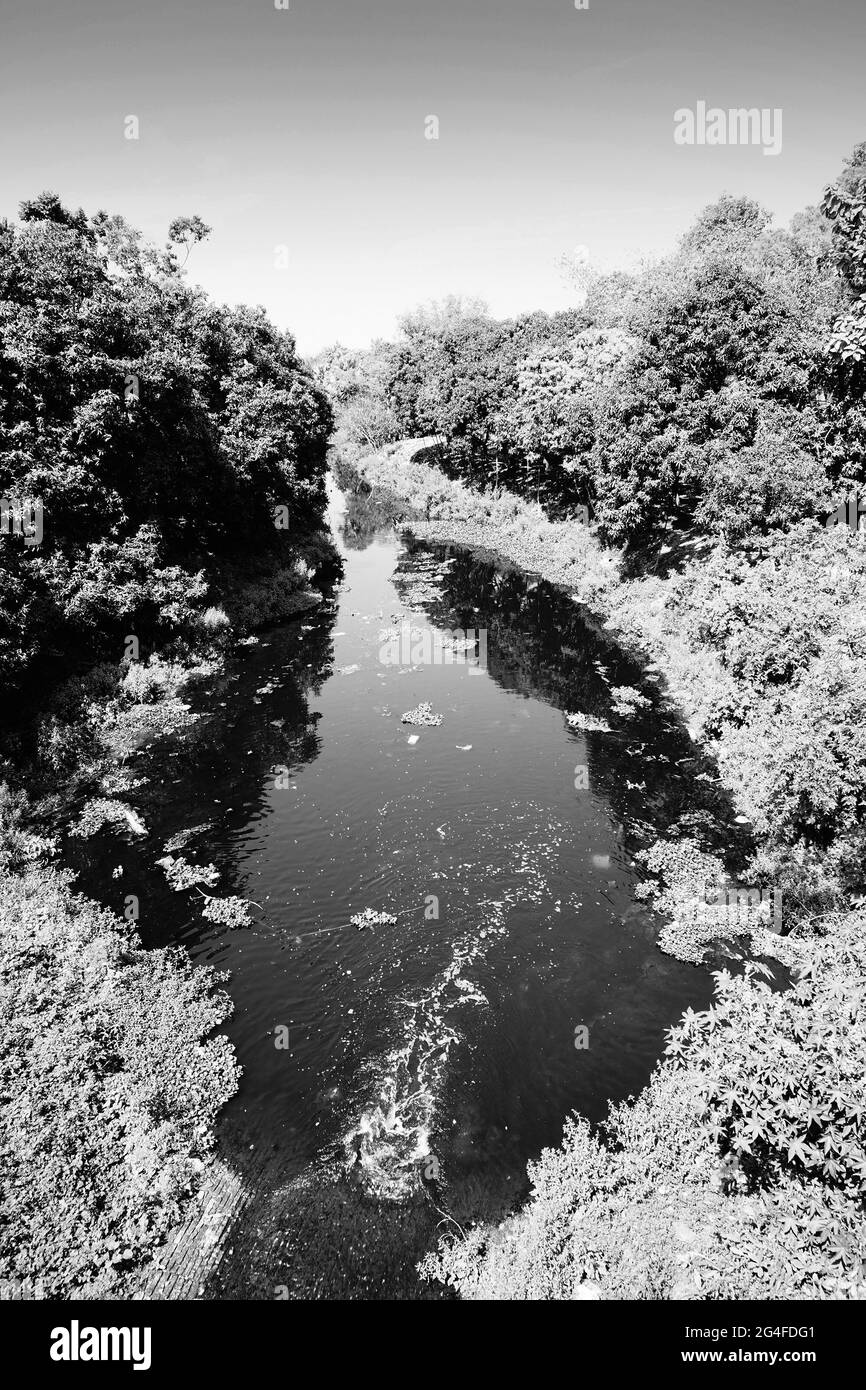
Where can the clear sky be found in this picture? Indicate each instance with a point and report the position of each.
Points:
(305, 128)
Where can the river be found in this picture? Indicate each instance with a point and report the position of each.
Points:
(521, 979)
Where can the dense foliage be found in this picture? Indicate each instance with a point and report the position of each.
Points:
(162, 478)
(786, 714)
(157, 431)
(354, 382)
(457, 373)
(721, 387)
(844, 207)
(110, 1082)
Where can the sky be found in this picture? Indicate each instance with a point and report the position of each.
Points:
(300, 136)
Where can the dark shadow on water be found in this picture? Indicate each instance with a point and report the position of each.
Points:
(545, 646)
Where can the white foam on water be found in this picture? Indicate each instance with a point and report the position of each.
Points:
(392, 1134)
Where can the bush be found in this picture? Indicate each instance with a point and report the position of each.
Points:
(110, 1081)
(787, 725)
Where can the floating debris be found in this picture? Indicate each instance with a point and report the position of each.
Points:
(422, 715)
(413, 738)
(133, 819)
(348, 670)
(231, 912)
(588, 723)
(181, 874)
(100, 811)
(369, 918)
(627, 700)
(119, 781)
(183, 837)
(700, 922)
(454, 643)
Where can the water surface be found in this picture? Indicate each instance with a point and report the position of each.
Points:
(501, 840)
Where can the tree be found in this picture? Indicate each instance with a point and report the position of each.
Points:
(844, 206)
(157, 429)
(187, 231)
(47, 207)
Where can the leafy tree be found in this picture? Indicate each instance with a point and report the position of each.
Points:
(355, 383)
(47, 207)
(187, 231)
(145, 418)
(844, 206)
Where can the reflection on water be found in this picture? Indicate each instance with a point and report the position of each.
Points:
(453, 1030)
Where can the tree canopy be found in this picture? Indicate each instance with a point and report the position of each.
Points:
(156, 429)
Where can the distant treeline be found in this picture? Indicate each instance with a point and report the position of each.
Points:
(721, 387)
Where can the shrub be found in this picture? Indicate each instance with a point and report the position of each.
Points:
(786, 719)
(111, 1082)
(215, 620)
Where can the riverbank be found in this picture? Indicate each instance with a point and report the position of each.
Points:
(112, 1076)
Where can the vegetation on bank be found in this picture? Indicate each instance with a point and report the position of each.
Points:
(110, 1081)
(720, 388)
(439, 506)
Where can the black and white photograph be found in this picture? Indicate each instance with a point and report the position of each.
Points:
(433, 674)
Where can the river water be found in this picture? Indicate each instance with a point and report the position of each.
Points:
(500, 839)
